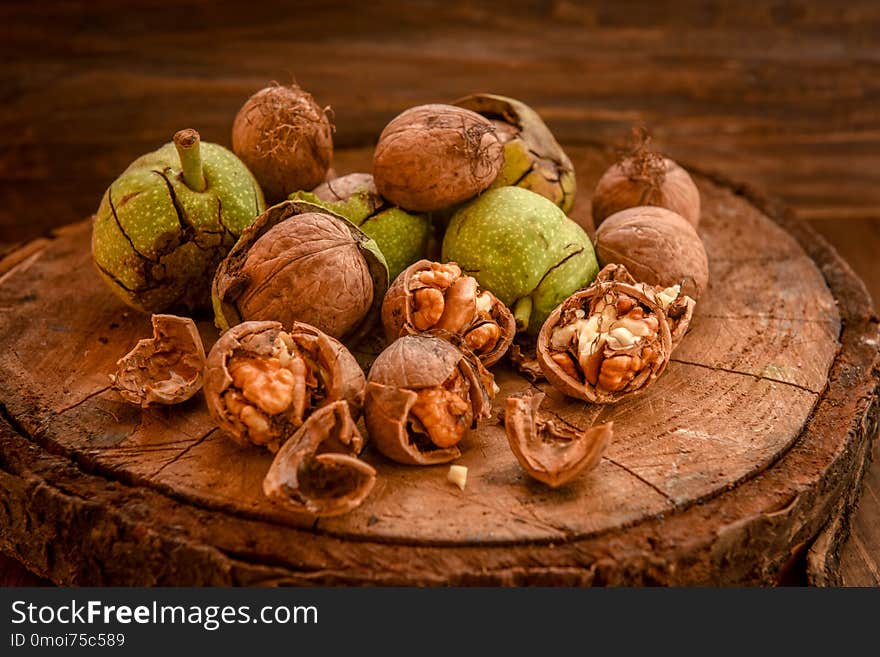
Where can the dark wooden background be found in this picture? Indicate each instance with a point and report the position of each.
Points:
(781, 95)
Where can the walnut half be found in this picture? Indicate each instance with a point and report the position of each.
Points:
(262, 382)
(612, 339)
(423, 395)
(548, 449)
(317, 470)
(436, 296)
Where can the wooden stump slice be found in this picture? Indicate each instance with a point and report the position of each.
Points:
(723, 472)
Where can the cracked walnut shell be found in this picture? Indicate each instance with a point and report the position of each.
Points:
(317, 470)
(164, 369)
(613, 339)
(549, 449)
(438, 296)
(262, 382)
(423, 394)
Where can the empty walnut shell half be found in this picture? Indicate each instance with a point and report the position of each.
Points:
(423, 395)
(262, 382)
(317, 470)
(612, 339)
(164, 369)
(437, 296)
(548, 449)
(301, 262)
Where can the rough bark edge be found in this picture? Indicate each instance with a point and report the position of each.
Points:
(755, 546)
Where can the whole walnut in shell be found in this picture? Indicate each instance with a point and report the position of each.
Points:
(402, 236)
(533, 159)
(423, 394)
(646, 178)
(262, 382)
(614, 338)
(657, 247)
(437, 296)
(301, 262)
(432, 157)
(285, 139)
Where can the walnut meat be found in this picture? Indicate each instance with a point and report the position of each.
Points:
(437, 296)
(657, 246)
(301, 262)
(613, 339)
(317, 470)
(262, 382)
(548, 449)
(164, 369)
(423, 395)
(432, 157)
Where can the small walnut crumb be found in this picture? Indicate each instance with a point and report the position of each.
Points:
(457, 475)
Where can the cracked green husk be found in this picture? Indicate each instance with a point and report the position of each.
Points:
(156, 242)
(533, 159)
(523, 249)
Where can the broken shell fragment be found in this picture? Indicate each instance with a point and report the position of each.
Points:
(164, 369)
(613, 339)
(317, 470)
(262, 382)
(549, 450)
(438, 296)
(423, 394)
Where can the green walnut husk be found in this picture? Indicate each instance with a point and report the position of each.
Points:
(402, 236)
(533, 159)
(313, 266)
(166, 223)
(523, 249)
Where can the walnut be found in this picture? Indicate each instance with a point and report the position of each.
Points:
(434, 296)
(300, 262)
(612, 339)
(548, 449)
(657, 246)
(262, 382)
(164, 369)
(423, 395)
(317, 470)
(432, 157)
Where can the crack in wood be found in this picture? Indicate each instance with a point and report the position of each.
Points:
(759, 377)
(82, 401)
(773, 318)
(184, 452)
(662, 492)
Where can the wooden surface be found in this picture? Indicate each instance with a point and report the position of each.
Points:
(782, 96)
(744, 390)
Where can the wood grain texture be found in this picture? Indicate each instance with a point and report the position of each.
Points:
(740, 399)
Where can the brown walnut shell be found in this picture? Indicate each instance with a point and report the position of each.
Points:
(460, 314)
(646, 179)
(548, 449)
(608, 366)
(300, 262)
(164, 369)
(317, 470)
(533, 159)
(344, 187)
(657, 246)
(405, 369)
(278, 404)
(431, 157)
(285, 139)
